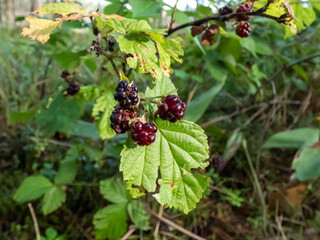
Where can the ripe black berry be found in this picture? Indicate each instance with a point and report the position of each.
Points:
(225, 10)
(144, 133)
(243, 29)
(73, 88)
(243, 9)
(65, 74)
(120, 119)
(126, 95)
(172, 109)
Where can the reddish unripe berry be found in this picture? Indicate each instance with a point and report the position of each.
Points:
(243, 29)
(144, 133)
(172, 109)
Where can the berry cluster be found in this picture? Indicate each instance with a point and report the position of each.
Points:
(144, 133)
(73, 86)
(225, 10)
(126, 95)
(120, 118)
(243, 27)
(172, 108)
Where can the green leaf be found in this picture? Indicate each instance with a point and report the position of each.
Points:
(111, 222)
(114, 190)
(293, 138)
(84, 129)
(62, 113)
(143, 53)
(68, 167)
(199, 105)
(64, 8)
(89, 93)
(32, 188)
(232, 145)
(143, 44)
(144, 8)
(305, 16)
(307, 164)
(138, 214)
(178, 148)
(104, 104)
(113, 8)
(162, 88)
(53, 199)
(20, 117)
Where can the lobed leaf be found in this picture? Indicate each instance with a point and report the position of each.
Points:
(32, 188)
(111, 222)
(53, 199)
(113, 190)
(179, 147)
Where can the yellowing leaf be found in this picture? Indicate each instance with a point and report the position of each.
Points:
(63, 9)
(40, 29)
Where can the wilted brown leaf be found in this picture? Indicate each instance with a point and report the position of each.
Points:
(196, 30)
(40, 29)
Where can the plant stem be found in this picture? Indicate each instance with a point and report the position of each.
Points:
(225, 18)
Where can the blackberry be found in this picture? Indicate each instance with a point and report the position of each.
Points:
(244, 8)
(120, 119)
(144, 133)
(243, 29)
(73, 88)
(65, 74)
(225, 10)
(172, 109)
(126, 95)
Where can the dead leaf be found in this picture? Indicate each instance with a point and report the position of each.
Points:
(294, 195)
(40, 29)
(196, 30)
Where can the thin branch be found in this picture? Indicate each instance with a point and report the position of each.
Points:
(246, 109)
(35, 221)
(289, 65)
(104, 53)
(128, 234)
(176, 226)
(224, 18)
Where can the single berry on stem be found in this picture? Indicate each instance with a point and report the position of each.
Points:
(172, 108)
(243, 29)
(120, 118)
(144, 133)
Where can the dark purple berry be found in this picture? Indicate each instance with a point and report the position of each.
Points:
(126, 95)
(172, 109)
(120, 119)
(73, 88)
(225, 10)
(244, 8)
(144, 133)
(65, 74)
